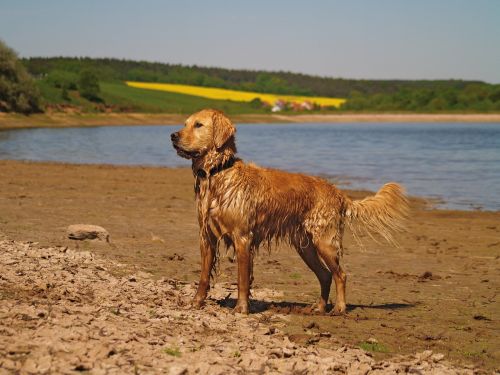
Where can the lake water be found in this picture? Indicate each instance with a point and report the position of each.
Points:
(456, 164)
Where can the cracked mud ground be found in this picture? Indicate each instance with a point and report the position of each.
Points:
(63, 311)
(117, 307)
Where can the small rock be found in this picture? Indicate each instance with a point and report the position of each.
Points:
(177, 370)
(481, 317)
(312, 325)
(437, 357)
(29, 366)
(44, 363)
(425, 355)
(287, 353)
(87, 232)
(175, 256)
(372, 340)
(359, 368)
(9, 364)
(313, 340)
(427, 275)
(271, 331)
(275, 353)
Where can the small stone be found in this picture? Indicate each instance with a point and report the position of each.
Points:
(271, 331)
(287, 353)
(177, 370)
(437, 357)
(312, 325)
(359, 368)
(44, 363)
(372, 340)
(29, 366)
(313, 340)
(425, 275)
(275, 353)
(425, 355)
(9, 364)
(87, 232)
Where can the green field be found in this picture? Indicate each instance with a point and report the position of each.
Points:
(123, 98)
(141, 100)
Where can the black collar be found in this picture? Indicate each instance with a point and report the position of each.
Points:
(219, 168)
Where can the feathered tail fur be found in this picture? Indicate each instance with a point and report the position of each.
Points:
(384, 213)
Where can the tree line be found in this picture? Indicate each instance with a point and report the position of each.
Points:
(362, 95)
(24, 83)
(280, 82)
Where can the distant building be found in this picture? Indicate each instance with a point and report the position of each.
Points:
(279, 105)
(306, 106)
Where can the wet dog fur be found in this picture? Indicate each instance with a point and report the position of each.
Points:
(246, 206)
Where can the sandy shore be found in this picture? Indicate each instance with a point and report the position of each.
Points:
(13, 121)
(438, 291)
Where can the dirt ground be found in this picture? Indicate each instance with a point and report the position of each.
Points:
(438, 291)
(61, 119)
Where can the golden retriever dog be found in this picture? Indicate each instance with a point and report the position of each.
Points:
(245, 206)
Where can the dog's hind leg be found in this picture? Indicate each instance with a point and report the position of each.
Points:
(330, 255)
(310, 257)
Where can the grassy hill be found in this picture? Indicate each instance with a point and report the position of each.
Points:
(118, 97)
(59, 79)
(246, 80)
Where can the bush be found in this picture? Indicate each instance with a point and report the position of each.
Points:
(18, 92)
(88, 86)
(62, 80)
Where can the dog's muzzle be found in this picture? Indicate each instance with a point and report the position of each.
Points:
(174, 137)
(180, 151)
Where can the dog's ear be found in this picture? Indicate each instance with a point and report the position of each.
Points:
(223, 129)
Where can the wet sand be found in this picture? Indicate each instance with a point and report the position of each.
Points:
(16, 121)
(438, 291)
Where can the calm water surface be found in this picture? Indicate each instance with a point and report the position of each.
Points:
(457, 164)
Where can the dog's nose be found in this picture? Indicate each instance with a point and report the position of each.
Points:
(174, 137)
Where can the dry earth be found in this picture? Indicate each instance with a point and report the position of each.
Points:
(438, 291)
(63, 311)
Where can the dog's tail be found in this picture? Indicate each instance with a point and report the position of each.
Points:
(384, 213)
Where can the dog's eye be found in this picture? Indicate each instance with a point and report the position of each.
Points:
(198, 125)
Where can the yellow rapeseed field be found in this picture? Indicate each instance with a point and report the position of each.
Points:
(239, 96)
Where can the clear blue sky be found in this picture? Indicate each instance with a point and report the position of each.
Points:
(406, 39)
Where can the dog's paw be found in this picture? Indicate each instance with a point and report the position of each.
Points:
(197, 303)
(319, 307)
(315, 309)
(241, 308)
(339, 310)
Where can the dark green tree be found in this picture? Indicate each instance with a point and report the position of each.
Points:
(65, 94)
(18, 92)
(88, 86)
(62, 79)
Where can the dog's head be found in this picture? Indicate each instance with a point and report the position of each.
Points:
(205, 130)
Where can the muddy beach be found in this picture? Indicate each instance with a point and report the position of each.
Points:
(436, 294)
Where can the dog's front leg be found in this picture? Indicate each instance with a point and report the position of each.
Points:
(207, 250)
(242, 245)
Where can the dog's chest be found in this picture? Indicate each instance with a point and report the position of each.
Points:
(221, 207)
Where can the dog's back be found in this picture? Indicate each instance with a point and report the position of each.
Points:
(277, 205)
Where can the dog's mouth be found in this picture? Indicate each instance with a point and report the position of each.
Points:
(185, 153)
